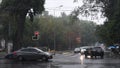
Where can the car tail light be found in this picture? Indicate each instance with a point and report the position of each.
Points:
(14, 53)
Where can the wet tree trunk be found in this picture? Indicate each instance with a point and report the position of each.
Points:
(18, 34)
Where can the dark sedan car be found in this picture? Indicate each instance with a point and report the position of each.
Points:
(94, 52)
(30, 53)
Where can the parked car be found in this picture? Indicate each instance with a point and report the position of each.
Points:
(77, 50)
(94, 52)
(30, 53)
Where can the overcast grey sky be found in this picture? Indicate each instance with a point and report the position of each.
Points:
(0, 1)
(54, 7)
(59, 6)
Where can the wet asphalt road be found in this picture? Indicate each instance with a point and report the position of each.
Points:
(63, 61)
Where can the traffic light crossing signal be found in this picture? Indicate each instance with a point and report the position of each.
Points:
(36, 36)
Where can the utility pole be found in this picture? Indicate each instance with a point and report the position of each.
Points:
(55, 28)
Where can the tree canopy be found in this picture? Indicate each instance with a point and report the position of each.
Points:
(109, 31)
(17, 6)
(60, 31)
(17, 11)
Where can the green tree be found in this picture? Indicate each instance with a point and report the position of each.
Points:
(61, 30)
(88, 33)
(109, 31)
(18, 10)
(112, 25)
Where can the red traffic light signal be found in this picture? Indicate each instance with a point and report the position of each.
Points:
(36, 33)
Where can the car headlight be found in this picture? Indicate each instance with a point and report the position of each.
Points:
(47, 53)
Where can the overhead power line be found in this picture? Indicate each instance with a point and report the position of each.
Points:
(58, 9)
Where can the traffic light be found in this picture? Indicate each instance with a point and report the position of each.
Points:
(36, 35)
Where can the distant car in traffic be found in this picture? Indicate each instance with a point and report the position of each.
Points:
(30, 53)
(94, 52)
(77, 50)
(81, 49)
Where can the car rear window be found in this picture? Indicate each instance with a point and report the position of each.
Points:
(98, 48)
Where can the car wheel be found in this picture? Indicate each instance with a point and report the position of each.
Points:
(44, 58)
(85, 56)
(95, 56)
(20, 58)
(91, 57)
